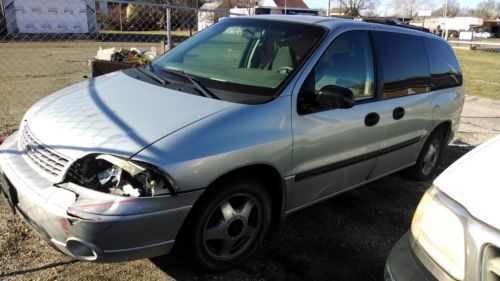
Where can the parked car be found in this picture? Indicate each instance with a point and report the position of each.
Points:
(455, 232)
(482, 34)
(453, 33)
(247, 121)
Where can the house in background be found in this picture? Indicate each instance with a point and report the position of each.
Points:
(208, 14)
(492, 26)
(437, 25)
(339, 12)
(282, 7)
(50, 16)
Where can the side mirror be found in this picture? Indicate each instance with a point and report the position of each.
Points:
(333, 96)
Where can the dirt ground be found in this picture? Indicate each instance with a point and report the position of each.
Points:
(344, 238)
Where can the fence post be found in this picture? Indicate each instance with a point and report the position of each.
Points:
(169, 31)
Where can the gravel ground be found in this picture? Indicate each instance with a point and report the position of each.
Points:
(344, 238)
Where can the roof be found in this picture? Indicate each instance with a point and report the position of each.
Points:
(291, 4)
(294, 18)
(491, 22)
(333, 22)
(211, 5)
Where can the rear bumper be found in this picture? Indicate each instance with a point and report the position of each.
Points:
(104, 237)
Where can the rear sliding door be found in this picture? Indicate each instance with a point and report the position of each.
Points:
(405, 85)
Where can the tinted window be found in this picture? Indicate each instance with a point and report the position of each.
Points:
(348, 63)
(445, 70)
(404, 64)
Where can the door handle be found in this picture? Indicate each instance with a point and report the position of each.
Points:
(398, 113)
(371, 119)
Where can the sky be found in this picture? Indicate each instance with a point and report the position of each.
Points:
(385, 5)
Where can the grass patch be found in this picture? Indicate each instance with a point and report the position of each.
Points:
(481, 72)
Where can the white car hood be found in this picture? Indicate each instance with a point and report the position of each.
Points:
(114, 114)
(474, 182)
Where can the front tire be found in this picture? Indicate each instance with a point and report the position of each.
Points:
(227, 224)
(429, 157)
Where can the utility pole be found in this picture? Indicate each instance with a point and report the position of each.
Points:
(411, 10)
(328, 11)
(445, 33)
(121, 21)
(406, 9)
(169, 28)
(2, 12)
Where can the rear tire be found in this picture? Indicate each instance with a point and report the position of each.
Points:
(227, 224)
(429, 157)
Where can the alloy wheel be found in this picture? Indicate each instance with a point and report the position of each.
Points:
(232, 226)
(431, 156)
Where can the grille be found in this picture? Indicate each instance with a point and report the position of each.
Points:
(491, 264)
(47, 160)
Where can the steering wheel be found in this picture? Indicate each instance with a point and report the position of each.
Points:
(283, 70)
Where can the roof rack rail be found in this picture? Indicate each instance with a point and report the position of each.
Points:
(343, 17)
(393, 22)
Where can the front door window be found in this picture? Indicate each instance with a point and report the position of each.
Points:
(347, 63)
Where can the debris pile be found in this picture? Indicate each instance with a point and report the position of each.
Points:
(132, 55)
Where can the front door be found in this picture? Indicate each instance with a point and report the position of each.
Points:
(335, 148)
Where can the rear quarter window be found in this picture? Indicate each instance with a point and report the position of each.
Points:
(403, 64)
(445, 70)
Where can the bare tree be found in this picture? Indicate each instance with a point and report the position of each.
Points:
(453, 9)
(356, 8)
(241, 3)
(498, 9)
(486, 9)
(408, 8)
(114, 19)
(469, 12)
(371, 13)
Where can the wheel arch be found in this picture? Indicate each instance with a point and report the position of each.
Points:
(266, 174)
(445, 126)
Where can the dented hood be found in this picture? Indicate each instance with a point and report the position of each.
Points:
(114, 114)
(474, 182)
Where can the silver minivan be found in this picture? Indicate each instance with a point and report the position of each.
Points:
(246, 122)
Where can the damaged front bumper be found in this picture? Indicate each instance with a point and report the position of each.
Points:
(87, 224)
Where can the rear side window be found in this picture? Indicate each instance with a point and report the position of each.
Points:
(445, 70)
(403, 63)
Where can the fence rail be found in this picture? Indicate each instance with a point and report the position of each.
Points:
(478, 45)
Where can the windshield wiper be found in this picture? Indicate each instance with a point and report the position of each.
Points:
(149, 71)
(201, 88)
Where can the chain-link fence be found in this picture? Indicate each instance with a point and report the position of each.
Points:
(46, 45)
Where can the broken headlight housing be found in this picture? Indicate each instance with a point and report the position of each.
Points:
(120, 176)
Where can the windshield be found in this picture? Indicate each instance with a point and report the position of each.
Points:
(238, 58)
